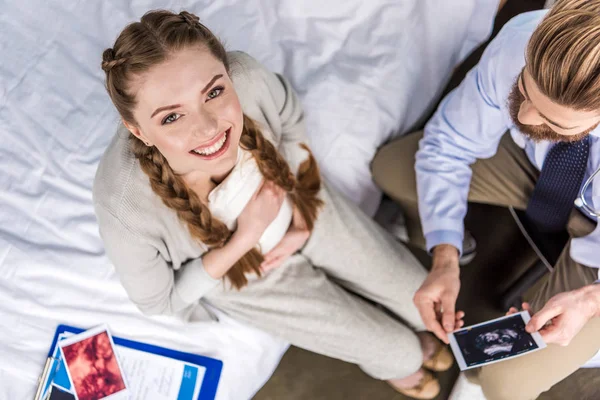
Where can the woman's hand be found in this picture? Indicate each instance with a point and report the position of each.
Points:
(294, 240)
(260, 211)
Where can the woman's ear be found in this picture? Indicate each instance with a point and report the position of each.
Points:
(135, 131)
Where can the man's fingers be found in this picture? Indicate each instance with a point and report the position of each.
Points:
(512, 311)
(460, 315)
(437, 308)
(448, 307)
(427, 311)
(542, 317)
(552, 334)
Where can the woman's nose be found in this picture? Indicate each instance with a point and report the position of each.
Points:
(528, 115)
(206, 125)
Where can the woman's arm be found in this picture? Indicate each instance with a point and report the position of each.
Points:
(148, 278)
(151, 282)
(270, 96)
(218, 261)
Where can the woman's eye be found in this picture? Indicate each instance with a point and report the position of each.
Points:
(215, 93)
(171, 118)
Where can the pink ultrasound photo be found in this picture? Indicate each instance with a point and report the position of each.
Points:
(94, 368)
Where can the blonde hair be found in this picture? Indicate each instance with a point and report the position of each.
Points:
(563, 54)
(139, 47)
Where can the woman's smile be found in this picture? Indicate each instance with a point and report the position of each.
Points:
(217, 147)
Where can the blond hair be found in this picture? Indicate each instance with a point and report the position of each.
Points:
(563, 54)
(139, 47)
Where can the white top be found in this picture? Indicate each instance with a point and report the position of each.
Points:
(229, 198)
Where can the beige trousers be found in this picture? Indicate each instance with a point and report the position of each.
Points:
(316, 299)
(507, 179)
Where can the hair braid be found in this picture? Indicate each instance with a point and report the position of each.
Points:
(303, 189)
(305, 194)
(190, 18)
(271, 164)
(176, 195)
(109, 60)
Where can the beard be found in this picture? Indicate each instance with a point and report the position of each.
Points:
(537, 133)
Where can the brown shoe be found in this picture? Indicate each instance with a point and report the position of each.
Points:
(427, 389)
(441, 360)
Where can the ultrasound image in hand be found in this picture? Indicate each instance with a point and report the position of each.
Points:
(494, 341)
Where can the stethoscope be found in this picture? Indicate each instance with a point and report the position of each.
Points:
(580, 200)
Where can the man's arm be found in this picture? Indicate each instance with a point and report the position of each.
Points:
(468, 125)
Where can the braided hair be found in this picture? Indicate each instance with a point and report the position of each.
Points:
(149, 42)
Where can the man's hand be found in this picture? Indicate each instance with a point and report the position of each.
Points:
(514, 310)
(565, 314)
(436, 299)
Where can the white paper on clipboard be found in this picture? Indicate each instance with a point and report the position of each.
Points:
(149, 376)
(155, 377)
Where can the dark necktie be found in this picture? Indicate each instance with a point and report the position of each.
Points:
(558, 185)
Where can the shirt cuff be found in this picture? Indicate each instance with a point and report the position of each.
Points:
(436, 238)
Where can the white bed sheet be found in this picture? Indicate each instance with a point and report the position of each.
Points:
(366, 70)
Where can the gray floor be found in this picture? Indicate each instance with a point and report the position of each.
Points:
(502, 256)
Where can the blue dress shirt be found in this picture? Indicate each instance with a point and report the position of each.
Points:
(468, 125)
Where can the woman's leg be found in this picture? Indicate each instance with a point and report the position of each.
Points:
(352, 249)
(300, 304)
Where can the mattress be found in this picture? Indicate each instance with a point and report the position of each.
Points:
(366, 71)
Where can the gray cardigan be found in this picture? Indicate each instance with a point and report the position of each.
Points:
(157, 260)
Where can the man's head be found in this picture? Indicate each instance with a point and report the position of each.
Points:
(557, 95)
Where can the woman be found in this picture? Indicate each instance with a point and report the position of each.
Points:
(209, 192)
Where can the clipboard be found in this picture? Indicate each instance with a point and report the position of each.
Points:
(212, 367)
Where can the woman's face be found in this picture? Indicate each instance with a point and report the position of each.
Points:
(187, 108)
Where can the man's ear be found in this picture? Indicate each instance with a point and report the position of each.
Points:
(137, 132)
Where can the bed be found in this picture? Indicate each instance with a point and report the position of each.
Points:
(366, 71)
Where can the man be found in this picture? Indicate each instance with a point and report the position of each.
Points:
(539, 80)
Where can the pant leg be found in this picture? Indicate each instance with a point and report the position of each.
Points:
(361, 256)
(300, 304)
(568, 275)
(535, 373)
(506, 179)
